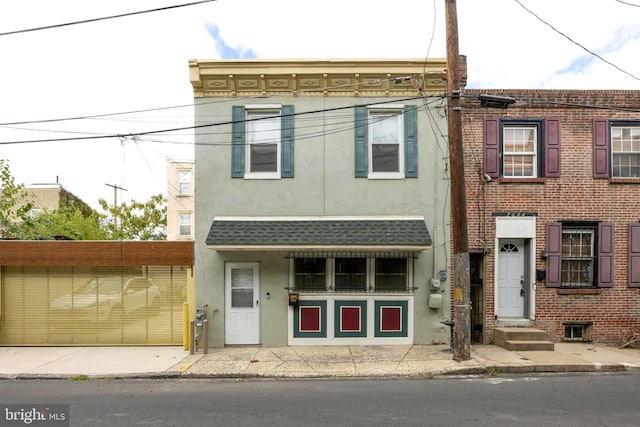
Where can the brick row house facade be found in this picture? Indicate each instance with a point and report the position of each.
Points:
(553, 202)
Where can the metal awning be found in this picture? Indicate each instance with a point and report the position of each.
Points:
(363, 234)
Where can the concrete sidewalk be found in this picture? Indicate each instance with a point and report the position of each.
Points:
(306, 361)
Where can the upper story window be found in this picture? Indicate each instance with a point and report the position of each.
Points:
(184, 182)
(625, 151)
(386, 153)
(352, 274)
(263, 144)
(262, 141)
(386, 140)
(184, 224)
(521, 148)
(519, 151)
(616, 149)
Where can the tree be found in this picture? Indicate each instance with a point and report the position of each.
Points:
(15, 206)
(137, 220)
(71, 222)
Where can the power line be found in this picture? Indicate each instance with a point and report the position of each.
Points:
(576, 43)
(228, 122)
(627, 3)
(104, 18)
(219, 101)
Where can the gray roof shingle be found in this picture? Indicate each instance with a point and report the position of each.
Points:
(301, 233)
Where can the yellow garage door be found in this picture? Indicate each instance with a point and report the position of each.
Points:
(92, 305)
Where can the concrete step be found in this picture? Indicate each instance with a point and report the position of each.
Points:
(523, 339)
(517, 345)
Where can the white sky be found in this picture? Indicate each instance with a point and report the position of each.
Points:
(141, 62)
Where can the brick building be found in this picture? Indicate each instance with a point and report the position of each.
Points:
(553, 202)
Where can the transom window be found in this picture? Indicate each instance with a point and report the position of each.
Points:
(352, 274)
(578, 257)
(625, 150)
(386, 144)
(519, 151)
(263, 143)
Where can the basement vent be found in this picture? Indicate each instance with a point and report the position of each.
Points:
(577, 330)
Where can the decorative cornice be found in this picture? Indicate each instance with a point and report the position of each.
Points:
(318, 77)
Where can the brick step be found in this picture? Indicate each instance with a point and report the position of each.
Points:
(522, 334)
(514, 338)
(521, 345)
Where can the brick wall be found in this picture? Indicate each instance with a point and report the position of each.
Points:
(573, 196)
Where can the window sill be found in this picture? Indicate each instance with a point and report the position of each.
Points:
(624, 180)
(590, 291)
(522, 180)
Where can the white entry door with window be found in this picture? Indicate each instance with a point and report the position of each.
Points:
(242, 311)
(510, 298)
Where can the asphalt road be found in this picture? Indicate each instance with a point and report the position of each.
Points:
(558, 400)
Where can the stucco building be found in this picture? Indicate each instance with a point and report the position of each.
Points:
(322, 206)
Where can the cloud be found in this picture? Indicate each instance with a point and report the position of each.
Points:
(226, 51)
(620, 40)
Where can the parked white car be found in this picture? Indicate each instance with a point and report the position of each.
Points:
(109, 298)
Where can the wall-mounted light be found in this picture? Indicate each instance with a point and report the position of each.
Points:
(495, 101)
(544, 254)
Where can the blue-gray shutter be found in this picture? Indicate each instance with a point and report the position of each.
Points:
(411, 141)
(605, 255)
(554, 255)
(361, 154)
(286, 149)
(237, 141)
(634, 255)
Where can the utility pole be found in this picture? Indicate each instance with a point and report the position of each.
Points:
(115, 193)
(461, 291)
(115, 202)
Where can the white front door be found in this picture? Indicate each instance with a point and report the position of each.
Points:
(242, 311)
(510, 294)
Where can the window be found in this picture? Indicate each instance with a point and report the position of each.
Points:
(519, 151)
(386, 142)
(310, 274)
(391, 274)
(385, 148)
(579, 254)
(625, 151)
(184, 220)
(262, 142)
(616, 149)
(352, 274)
(184, 182)
(522, 148)
(577, 257)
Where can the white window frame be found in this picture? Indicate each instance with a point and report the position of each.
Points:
(627, 148)
(533, 154)
(256, 112)
(182, 215)
(182, 173)
(569, 260)
(375, 114)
